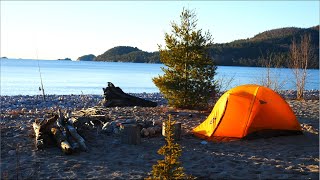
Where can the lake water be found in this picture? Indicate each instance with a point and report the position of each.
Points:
(21, 77)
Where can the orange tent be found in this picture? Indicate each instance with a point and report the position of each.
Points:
(249, 111)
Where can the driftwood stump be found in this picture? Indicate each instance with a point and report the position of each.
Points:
(176, 131)
(115, 97)
(130, 134)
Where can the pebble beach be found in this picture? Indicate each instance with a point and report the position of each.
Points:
(286, 157)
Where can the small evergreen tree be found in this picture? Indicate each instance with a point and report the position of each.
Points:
(170, 167)
(188, 80)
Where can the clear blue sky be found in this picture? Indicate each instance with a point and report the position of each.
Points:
(58, 29)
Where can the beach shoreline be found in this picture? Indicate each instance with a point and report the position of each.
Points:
(287, 157)
(89, 100)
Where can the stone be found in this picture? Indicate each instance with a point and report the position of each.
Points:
(157, 129)
(144, 132)
(116, 131)
(157, 123)
(12, 152)
(152, 131)
(130, 121)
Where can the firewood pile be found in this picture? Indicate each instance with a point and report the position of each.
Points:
(66, 129)
(62, 129)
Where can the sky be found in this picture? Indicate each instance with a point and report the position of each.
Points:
(69, 29)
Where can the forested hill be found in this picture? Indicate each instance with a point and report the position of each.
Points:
(245, 52)
(129, 54)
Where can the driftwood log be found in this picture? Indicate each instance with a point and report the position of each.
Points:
(115, 97)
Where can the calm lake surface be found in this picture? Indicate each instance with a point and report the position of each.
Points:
(21, 77)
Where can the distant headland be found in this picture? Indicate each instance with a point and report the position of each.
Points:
(65, 59)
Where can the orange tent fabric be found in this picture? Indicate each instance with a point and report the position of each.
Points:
(245, 110)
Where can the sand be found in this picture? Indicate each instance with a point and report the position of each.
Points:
(286, 157)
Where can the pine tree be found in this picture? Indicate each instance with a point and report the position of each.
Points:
(188, 80)
(170, 167)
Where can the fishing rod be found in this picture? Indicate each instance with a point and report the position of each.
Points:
(41, 88)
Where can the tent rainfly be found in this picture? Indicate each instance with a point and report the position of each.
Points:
(249, 111)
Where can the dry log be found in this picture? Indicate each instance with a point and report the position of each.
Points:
(66, 147)
(130, 134)
(77, 137)
(39, 140)
(62, 121)
(36, 128)
(176, 130)
(102, 118)
(42, 130)
(74, 144)
(69, 126)
(114, 96)
(61, 140)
